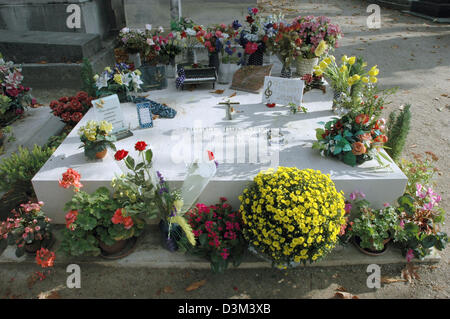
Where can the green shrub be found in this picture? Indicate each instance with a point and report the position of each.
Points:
(398, 128)
(17, 170)
(87, 77)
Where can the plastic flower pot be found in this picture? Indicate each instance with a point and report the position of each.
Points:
(226, 72)
(373, 251)
(169, 242)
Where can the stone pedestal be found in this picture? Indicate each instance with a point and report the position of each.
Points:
(201, 125)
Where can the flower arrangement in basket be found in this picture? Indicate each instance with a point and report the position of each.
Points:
(120, 80)
(29, 229)
(96, 139)
(357, 136)
(14, 97)
(71, 109)
(317, 35)
(292, 216)
(218, 232)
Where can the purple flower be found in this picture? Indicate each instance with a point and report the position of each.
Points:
(348, 207)
(402, 223)
(353, 196)
(236, 25)
(217, 164)
(162, 190)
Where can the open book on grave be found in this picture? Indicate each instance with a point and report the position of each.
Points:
(108, 109)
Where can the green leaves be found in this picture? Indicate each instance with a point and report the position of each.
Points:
(349, 158)
(149, 155)
(129, 162)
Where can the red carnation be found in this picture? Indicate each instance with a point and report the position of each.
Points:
(76, 117)
(140, 146)
(65, 116)
(64, 99)
(120, 155)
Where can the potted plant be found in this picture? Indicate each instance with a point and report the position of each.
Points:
(120, 80)
(347, 79)
(96, 139)
(317, 36)
(186, 27)
(29, 229)
(95, 223)
(372, 229)
(171, 46)
(287, 223)
(218, 233)
(14, 97)
(250, 38)
(420, 215)
(132, 42)
(142, 191)
(71, 109)
(229, 64)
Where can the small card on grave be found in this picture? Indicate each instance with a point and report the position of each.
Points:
(145, 115)
(250, 78)
(282, 90)
(108, 109)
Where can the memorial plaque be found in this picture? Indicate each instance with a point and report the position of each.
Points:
(108, 109)
(250, 78)
(283, 91)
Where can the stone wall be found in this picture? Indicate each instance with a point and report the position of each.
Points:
(51, 15)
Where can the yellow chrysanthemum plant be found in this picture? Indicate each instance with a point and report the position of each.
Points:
(292, 216)
(96, 138)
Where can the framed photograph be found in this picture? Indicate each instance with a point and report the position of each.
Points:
(144, 115)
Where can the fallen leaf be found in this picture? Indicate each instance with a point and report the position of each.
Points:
(413, 146)
(444, 95)
(232, 95)
(409, 273)
(341, 289)
(168, 290)
(43, 62)
(345, 295)
(217, 91)
(53, 294)
(394, 46)
(385, 280)
(196, 285)
(241, 296)
(335, 276)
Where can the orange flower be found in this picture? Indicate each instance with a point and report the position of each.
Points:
(358, 148)
(362, 118)
(365, 137)
(381, 139)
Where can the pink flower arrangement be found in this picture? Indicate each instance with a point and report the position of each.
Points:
(218, 231)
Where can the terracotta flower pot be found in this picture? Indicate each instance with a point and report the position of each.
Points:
(101, 154)
(372, 252)
(114, 248)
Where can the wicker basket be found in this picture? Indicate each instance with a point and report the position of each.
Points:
(305, 66)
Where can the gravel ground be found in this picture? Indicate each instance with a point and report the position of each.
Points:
(411, 54)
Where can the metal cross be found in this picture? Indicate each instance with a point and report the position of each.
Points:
(228, 103)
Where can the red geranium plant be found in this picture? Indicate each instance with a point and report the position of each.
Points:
(72, 109)
(218, 230)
